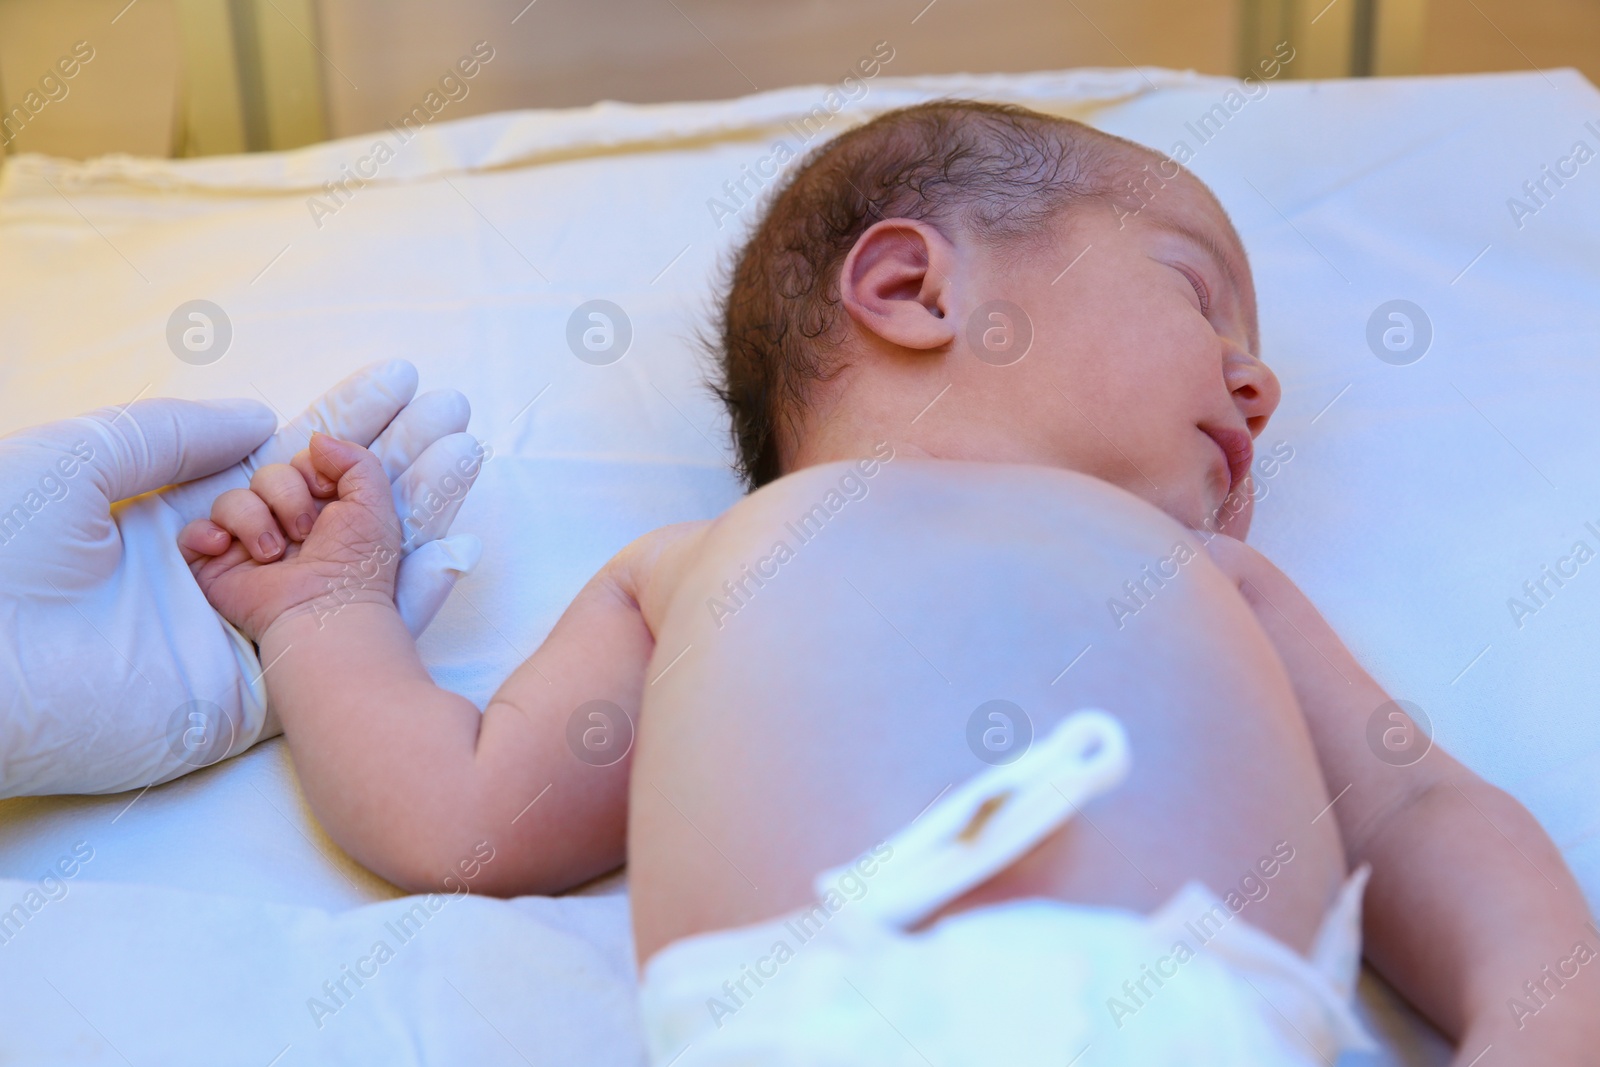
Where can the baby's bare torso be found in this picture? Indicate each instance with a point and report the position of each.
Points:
(821, 648)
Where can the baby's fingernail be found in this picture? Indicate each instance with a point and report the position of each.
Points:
(323, 485)
(303, 524)
(269, 544)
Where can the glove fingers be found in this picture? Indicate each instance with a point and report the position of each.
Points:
(357, 410)
(429, 574)
(152, 443)
(430, 416)
(429, 493)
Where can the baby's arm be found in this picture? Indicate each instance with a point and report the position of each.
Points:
(1469, 898)
(405, 776)
(408, 777)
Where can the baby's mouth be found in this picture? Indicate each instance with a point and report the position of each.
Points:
(1238, 449)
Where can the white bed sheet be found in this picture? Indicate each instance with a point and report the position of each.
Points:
(1418, 501)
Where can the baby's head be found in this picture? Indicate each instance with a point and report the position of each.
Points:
(979, 282)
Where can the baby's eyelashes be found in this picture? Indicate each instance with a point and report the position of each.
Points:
(1201, 292)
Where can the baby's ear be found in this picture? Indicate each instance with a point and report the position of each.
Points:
(895, 283)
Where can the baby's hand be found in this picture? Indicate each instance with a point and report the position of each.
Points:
(309, 535)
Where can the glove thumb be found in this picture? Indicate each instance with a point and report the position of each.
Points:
(428, 574)
(152, 443)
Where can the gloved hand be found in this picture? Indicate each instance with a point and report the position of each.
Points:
(114, 671)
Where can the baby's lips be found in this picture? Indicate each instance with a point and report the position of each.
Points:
(1239, 448)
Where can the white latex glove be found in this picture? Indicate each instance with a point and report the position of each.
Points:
(114, 671)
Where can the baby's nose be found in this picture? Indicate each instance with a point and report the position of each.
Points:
(1255, 389)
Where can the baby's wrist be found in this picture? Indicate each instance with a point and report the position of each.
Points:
(307, 619)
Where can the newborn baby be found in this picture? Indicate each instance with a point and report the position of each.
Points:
(973, 734)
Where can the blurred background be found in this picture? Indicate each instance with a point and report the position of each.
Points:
(81, 78)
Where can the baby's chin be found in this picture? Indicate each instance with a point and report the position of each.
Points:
(1233, 515)
(1205, 506)
(1213, 511)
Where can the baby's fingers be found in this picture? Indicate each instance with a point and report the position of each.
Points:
(247, 517)
(286, 493)
(321, 488)
(202, 539)
(357, 472)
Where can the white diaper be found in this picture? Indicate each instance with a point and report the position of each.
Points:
(1025, 982)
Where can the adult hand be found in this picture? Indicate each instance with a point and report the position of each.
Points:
(114, 671)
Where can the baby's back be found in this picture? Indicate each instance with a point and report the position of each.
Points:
(829, 654)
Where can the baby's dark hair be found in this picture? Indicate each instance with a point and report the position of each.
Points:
(996, 172)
